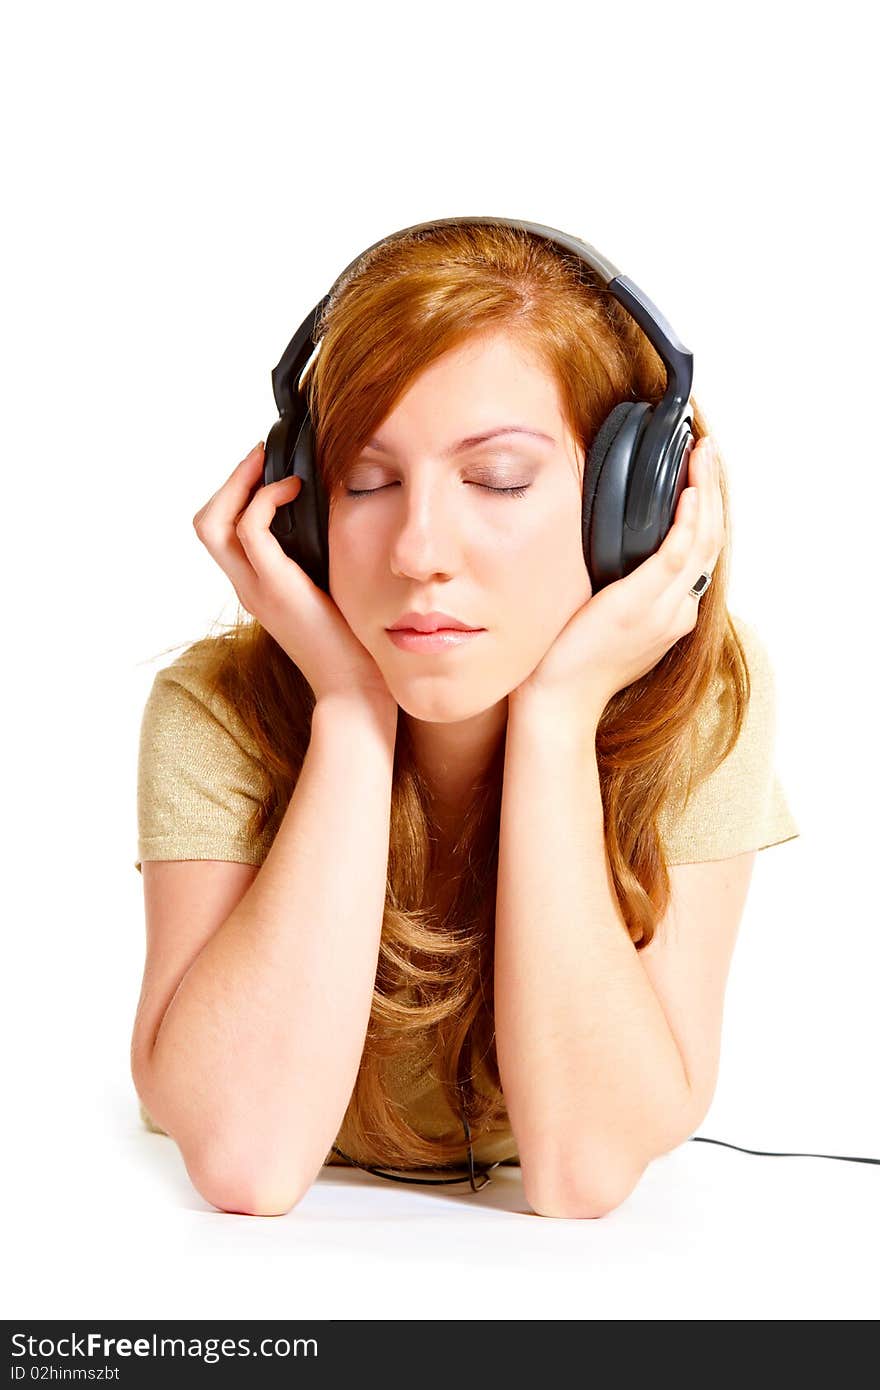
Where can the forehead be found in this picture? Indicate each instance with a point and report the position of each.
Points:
(489, 380)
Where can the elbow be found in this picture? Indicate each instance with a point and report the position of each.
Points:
(146, 1101)
(581, 1196)
(230, 1182)
(572, 1211)
(247, 1200)
(243, 1190)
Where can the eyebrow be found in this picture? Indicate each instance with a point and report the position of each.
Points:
(471, 440)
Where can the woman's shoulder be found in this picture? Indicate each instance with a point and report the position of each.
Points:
(722, 805)
(193, 665)
(200, 775)
(190, 688)
(756, 652)
(713, 716)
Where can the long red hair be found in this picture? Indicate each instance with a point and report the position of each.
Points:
(404, 304)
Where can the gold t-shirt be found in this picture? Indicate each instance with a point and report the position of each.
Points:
(199, 777)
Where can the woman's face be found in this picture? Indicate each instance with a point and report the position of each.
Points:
(429, 534)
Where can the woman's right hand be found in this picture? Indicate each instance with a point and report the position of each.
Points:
(234, 528)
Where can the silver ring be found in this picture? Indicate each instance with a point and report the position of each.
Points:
(702, 584)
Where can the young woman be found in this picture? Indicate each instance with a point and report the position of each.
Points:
(416, 901)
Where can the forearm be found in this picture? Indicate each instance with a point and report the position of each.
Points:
(592, 1076)
(258, 1052)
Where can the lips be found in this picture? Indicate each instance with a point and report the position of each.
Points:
(443, 639)
(430, 622)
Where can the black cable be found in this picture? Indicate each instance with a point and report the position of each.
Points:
(483, 1171)
(771, 1153)
(472, 1173)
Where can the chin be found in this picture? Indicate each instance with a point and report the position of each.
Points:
(437, 710)
(448, 706)
(440, 706)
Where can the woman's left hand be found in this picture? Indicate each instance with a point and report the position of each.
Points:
(621, 632)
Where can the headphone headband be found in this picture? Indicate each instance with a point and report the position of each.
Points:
(676, 358)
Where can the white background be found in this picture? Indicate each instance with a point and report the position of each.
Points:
(183, 182)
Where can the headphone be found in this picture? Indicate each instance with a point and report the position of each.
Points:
(635, 473)
(633, 478)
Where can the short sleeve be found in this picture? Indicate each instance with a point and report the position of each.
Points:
(197, 780)
(741, 806)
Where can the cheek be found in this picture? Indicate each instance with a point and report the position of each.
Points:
(349, 562)
(546, 575)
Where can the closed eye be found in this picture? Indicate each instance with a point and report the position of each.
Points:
(508, 491)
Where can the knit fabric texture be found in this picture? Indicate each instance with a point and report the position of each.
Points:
(199, 777)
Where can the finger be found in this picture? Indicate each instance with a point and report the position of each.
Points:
(720, 537)
(677, 552)
(231, 499)
(703, 550)
(696, 551)
(670, 570)
(707, 487)
(238, 549)
(217, 522)
(259, 546)
(711, 526)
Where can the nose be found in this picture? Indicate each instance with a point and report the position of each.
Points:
(425, 530)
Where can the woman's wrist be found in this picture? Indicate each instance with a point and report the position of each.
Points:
(368, 712)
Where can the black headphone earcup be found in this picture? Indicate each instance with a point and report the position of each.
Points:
(300, 526)
(607, 475)
(313, 522)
